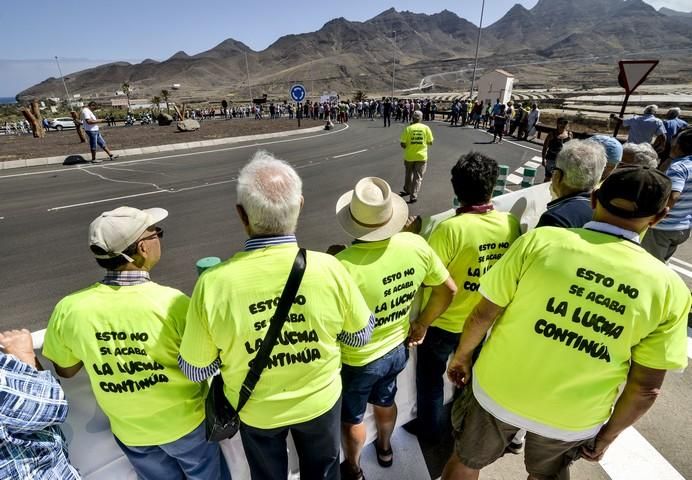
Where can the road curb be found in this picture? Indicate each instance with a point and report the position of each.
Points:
(33, 162)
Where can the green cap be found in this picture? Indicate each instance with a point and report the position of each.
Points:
(205, 263)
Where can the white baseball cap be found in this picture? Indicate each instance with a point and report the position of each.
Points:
(117, 229)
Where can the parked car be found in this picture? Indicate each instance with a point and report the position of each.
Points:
(61, 122)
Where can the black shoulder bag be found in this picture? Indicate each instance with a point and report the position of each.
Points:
(222, 420)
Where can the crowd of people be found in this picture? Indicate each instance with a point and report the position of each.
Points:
(537, 369)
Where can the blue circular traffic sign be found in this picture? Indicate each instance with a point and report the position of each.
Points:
(297, 93)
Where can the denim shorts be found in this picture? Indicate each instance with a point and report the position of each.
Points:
(95, 139)
(372, 383)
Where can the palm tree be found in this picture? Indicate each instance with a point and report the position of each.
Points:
(157, 102)
(164, 94)
(126, 91)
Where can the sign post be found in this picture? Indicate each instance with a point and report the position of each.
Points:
(298, 94)
(632, 74)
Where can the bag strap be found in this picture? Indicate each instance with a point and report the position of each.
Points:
(275, 325)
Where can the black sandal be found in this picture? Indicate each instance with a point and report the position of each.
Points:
(384, 453)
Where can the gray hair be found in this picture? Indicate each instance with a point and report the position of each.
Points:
(581, 163)
(270, 191)
(673, 113)
(417, 116)
(640, 154)
(651, 109)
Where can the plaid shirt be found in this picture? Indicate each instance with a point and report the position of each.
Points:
(125, 278)
(32, 406)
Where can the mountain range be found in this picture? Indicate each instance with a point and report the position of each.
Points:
(557, 42)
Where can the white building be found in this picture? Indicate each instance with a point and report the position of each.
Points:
(495, 84)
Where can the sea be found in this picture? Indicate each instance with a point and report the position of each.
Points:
(7, 100)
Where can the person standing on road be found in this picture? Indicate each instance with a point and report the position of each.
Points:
(662, 240)
(388, 267)
(230, 312)
(532, 119)
(673, 124)
(387, 111)
(643, 128)
(468, 244)
(557, 357)
(125, 331)
(552, 145)
(91, 127)
(415, 140)
(32, 408)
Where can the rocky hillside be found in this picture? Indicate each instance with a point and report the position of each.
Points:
(555, 41)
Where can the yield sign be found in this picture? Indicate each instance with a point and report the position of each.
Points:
(634, 72)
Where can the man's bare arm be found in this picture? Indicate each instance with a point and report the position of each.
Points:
(68, 372)
(641, 390)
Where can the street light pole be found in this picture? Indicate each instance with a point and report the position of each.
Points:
(67, 93)
(247, 70)
(394, 63)
(478, 44)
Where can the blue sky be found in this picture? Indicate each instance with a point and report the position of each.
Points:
(84, 34)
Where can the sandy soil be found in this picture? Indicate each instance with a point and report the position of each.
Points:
(67, 142)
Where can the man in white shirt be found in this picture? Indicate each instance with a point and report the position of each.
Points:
(91, 127)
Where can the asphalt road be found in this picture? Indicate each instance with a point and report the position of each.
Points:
(45, 213)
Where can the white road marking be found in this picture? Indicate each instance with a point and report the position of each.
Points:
(135, 195)
(514, 179)
(177, 155)
(677, 260)
(102, 177)
(511, 142)
(631, 457)
(352, 153)
(681, 270)
(537, 159)
(532, 164)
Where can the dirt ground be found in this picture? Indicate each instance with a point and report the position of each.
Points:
(67, 142)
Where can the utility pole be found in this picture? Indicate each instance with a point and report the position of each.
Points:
(394, 63)
(247, 70)
(478, 44)
(67, 93)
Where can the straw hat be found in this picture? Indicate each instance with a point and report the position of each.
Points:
(370, 212)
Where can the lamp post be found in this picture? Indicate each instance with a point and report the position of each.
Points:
(247, 70)
(478, 44)
(394, 63)
(67, 93)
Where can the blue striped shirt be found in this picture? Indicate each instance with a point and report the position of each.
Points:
(32, 406)
(680, 173)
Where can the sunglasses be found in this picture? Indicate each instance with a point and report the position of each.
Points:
(158, 233)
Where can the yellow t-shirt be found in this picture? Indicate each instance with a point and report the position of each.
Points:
(580, 305)
(389, 273)
(469, 244)
(128, 339)
(416, 137)
(230, 312)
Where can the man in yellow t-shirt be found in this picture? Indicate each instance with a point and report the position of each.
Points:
(126, 331)
(606, 314)
(230, 311)
(469, 244)
(415, 140)
(389, 268)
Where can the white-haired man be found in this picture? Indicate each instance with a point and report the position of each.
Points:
(643, 128)
(577, 171)
(639, 154)
(230, 312)
(415, 140)
(125, 332)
